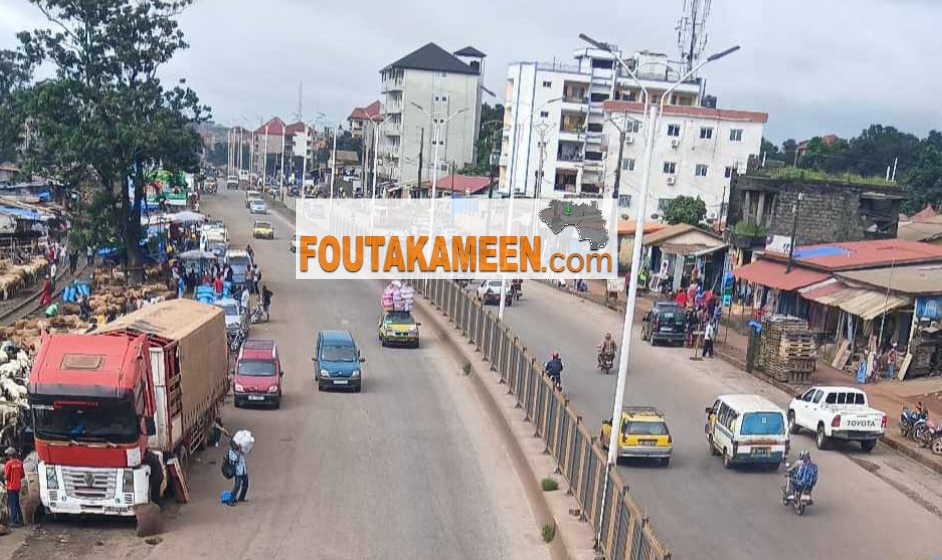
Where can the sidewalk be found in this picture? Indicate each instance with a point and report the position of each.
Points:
(888, 396)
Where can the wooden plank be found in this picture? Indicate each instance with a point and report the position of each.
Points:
(904, 368)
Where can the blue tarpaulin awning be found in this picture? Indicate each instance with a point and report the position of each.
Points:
(23, 213)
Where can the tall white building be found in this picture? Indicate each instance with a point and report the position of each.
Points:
(557, 134)
(696, 152)
(430, 92)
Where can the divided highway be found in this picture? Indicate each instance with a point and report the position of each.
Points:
(698, 508)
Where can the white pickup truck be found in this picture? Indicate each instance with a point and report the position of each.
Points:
(837, 413)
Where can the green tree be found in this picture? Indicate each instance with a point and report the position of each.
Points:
(685, 210)
(924, 180)
(492, 118)
(105, 109)
(770, 150)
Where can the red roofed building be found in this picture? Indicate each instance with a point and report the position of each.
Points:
(857, 255)
(464, 185)
(361, 116)
(269, 138)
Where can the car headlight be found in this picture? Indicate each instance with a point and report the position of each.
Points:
(356, 373)
(52, 481)
(413, 330)
(273, 389)
(325, 373)
(128, 480)
(239, 388)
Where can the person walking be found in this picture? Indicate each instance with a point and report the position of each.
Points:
(73, 262)
(891, 356)
(256, 279)
(266, 302)
(89, 256)
(708, 335)
(13, 479)
(241, 485)
(244, 300)
(46, 294)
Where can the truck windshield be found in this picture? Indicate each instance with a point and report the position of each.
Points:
(256, 368)
(762, 424)
(339, 354)
(239, 263)
(92, 421)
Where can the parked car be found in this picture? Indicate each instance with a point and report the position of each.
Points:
(489, 292)
(398, 328)
(644, 434)
(337, 361)
(258, 374)
(664, 323)
(258, 207)
(262, 229)
(837, 413)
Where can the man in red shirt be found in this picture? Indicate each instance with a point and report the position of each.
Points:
(13, 478)
(218, 285)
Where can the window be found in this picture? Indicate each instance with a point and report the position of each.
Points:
(544, 114)
(547, 84)
(444, 98)
(628, 164)
(632, 126)
(624, 201)
(817, 396)
(701, 170)
(663, 203)
(670, 167)
(729, 172)
(597, 63)
(735, 135)
(673, 130)
(706, 132)
(443, 74)
(762, 424)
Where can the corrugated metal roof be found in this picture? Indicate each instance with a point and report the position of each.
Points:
(863, 254)
(912, 280)
(772, 275)
(866, 304)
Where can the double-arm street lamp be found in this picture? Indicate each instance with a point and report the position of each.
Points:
(651, 123)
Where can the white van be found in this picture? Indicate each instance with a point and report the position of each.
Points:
(747, 429)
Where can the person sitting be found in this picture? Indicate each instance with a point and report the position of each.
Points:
(606, 348)
(803, 475)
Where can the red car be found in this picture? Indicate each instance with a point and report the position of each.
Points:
(258, 374)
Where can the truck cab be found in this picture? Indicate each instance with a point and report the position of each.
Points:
(258, 374)
(837, 413)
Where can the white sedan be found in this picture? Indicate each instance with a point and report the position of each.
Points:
(489, 292)
(258, 207)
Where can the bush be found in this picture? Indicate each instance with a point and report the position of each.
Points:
(549, 532)
(549, 484)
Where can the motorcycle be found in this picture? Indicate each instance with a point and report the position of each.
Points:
(257, 313)
(909, 421)
(800, 499)
(930, 433)
(606, 361)
(516, 288)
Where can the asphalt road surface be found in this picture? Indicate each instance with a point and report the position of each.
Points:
(411, 468)
(867, 506)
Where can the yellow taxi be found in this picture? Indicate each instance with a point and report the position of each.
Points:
(398, 328)
(263, 230)
(644, 434)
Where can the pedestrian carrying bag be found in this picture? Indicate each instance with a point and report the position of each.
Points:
(228, 467)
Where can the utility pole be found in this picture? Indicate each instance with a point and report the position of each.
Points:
(791, 246)
(621, 153)
(453, 179)
(421, 149)
(333, 165)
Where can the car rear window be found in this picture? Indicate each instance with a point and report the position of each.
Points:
(646, 429)
(762, 424)
(845, 398)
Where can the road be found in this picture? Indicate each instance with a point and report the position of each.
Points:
(409, 468)
(875, 506)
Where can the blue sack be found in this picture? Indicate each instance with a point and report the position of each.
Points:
(84, 289)
(226, 496)
(68, 294)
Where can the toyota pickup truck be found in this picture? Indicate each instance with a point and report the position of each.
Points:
(837, 413)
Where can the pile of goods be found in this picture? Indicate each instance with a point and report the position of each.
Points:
(787, 352)
(926, 349)
(398, 297)
(26, 332)
(15, 365)
(119, 299)
(14, 278)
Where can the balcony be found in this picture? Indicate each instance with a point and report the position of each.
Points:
(571, 134)
(392, 108)
(574, 104)
(391, 85)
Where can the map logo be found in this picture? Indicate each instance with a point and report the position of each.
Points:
(587, 219)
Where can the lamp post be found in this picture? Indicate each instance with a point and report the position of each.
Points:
(375, 160)
(651, 121)
(439, 125)
(510, 207)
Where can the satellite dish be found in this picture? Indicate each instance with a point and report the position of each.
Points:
(655, 216)
(625, 217)
(712, 215)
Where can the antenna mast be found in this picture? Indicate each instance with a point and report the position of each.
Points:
(300, 115)
(691, 31)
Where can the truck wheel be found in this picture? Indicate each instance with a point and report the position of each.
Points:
(821, 440)
(868, 445)
(793, 427)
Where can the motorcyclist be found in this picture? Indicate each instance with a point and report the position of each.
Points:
(554, 368)
(804, 473)
(606, 348)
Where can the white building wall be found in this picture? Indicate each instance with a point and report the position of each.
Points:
(440, 96)
(716, 153)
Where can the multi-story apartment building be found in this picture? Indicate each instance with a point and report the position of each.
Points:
(430, 99)
(697, 150)
(361, 118)
(557, 133)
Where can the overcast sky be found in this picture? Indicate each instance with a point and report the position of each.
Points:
(816, 66)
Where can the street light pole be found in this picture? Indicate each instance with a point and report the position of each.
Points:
(652, 115)
(304, 161)
(375, 159)
(333, 165)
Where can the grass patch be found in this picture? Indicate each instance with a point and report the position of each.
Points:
(549, 532)
(549, 484)
(792, 173)
(749, 229)
(466, 369)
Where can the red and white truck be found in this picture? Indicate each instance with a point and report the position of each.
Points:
(117, 413)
